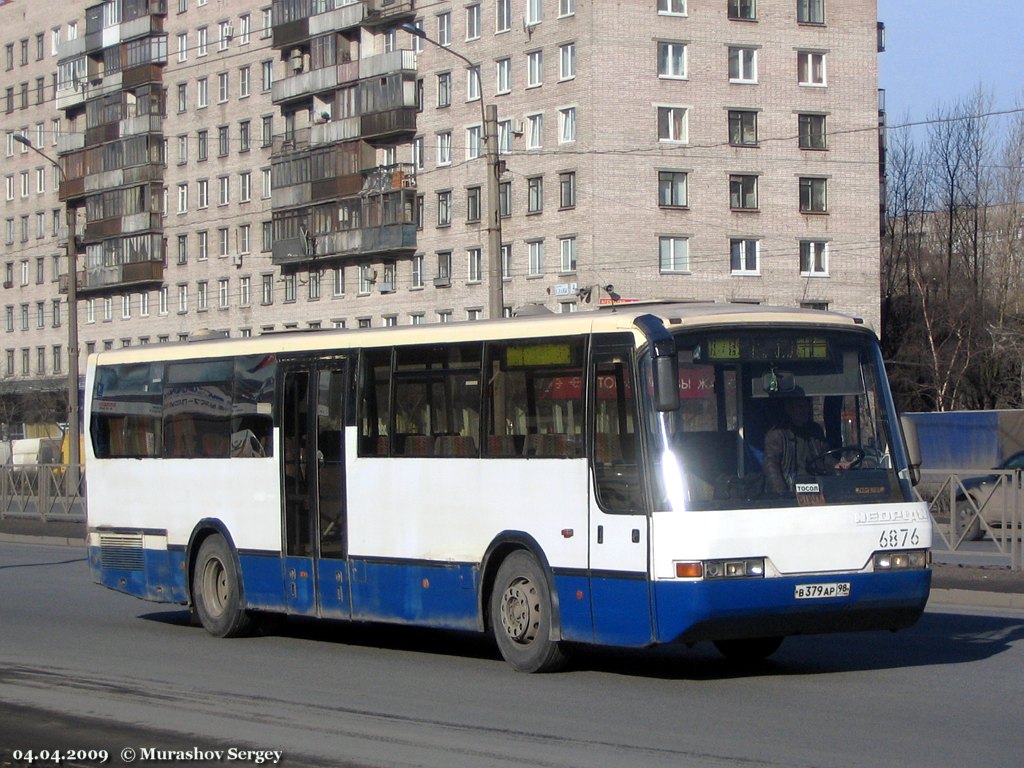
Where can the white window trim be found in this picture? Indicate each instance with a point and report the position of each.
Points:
(743, 271)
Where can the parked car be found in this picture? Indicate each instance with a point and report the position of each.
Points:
(994, 495)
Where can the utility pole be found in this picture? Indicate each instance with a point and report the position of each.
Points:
(489, 126)
(74, 432)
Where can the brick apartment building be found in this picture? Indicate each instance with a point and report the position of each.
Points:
(311, 163)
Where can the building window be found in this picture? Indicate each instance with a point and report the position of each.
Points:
(473, 21)
(267, 289)
(813, 195)
(534, 11)
(473, 257)
(674, 255)
(473, 83)
(444, 267)
(672, 189)
(503, 68)
(444, 148)
(672, 124)
(203, 193)
(474, 142)
(742, 128)
(444, 208)
(244, 291)
(203, 295)
(535, 194)
(473, 204)
(567, 249)
(567, 189)
(567, 125)
(534, 131)
(812, 131)
(289, 287)
(182, 299)
(534, 69)
(743, 192)
(243, 82)
(183, 249)
(567, 61)
(743, 9)
(810, 11)
(810, 67)
(672, 6)
(535, 253)
(743, 257)
(742, 65)
(505, 199)
(444, 89)
(672, 60)
(813, 258)
(444, 28)
(417, 271)
(566, 7)
(223, 293)
(506, 260)
(502, 15)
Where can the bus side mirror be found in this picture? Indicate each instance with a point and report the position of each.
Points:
(910, 440)
(666, 383)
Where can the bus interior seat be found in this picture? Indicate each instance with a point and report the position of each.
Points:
(551, 445)
(502, 445)
(460, 446)
(417, 445)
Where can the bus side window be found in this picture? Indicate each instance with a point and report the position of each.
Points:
(616, 469)
(534, 398)
(374, 415)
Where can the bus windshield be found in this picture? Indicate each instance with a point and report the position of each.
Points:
(777, 418)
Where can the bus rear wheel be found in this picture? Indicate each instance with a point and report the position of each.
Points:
(521, 616)
(215, 591)
(748, 649)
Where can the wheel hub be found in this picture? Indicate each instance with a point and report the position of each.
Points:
(520, 611)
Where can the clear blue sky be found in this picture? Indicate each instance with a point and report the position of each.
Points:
(938, 51)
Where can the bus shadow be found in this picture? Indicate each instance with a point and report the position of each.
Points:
(937, 639)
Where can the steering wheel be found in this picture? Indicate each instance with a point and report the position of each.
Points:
(849, 455)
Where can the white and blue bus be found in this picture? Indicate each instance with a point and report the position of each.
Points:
(600, 477)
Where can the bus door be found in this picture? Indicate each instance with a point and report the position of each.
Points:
(619, 532)
(313, 487)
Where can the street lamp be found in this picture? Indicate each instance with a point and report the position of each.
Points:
(489, 126)
(74, 459)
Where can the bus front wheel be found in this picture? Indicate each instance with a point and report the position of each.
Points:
(521, 616)
(215, 592)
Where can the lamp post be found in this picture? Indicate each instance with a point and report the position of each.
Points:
(489, 126)
(74, 459)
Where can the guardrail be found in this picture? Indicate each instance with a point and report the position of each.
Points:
(977, 511)
(41, 492)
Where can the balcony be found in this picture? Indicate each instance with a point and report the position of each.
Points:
(298, 22)
(315, 81)
(110, 279)
(388, 12)
(388, 240)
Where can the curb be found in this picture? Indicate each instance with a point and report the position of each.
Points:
(975, 598)
(53, 541)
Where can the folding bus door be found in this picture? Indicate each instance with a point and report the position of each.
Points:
(619, 531)
(313, 487)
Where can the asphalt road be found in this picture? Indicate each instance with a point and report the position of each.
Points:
(85, 668)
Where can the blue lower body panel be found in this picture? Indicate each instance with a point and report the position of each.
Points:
(158, 575)
(719, 610)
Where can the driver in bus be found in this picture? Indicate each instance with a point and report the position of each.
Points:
(790, 446)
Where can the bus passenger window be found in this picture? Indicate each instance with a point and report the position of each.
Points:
(534, 398)
(374, 402)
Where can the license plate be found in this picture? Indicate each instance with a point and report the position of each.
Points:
(815, 591)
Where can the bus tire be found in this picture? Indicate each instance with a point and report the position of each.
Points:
(521, 616)
(748, 649)
(216, 596)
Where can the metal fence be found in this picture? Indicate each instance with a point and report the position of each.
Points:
(41, 492)
(977, 512)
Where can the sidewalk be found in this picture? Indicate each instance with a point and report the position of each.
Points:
(983, 587)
